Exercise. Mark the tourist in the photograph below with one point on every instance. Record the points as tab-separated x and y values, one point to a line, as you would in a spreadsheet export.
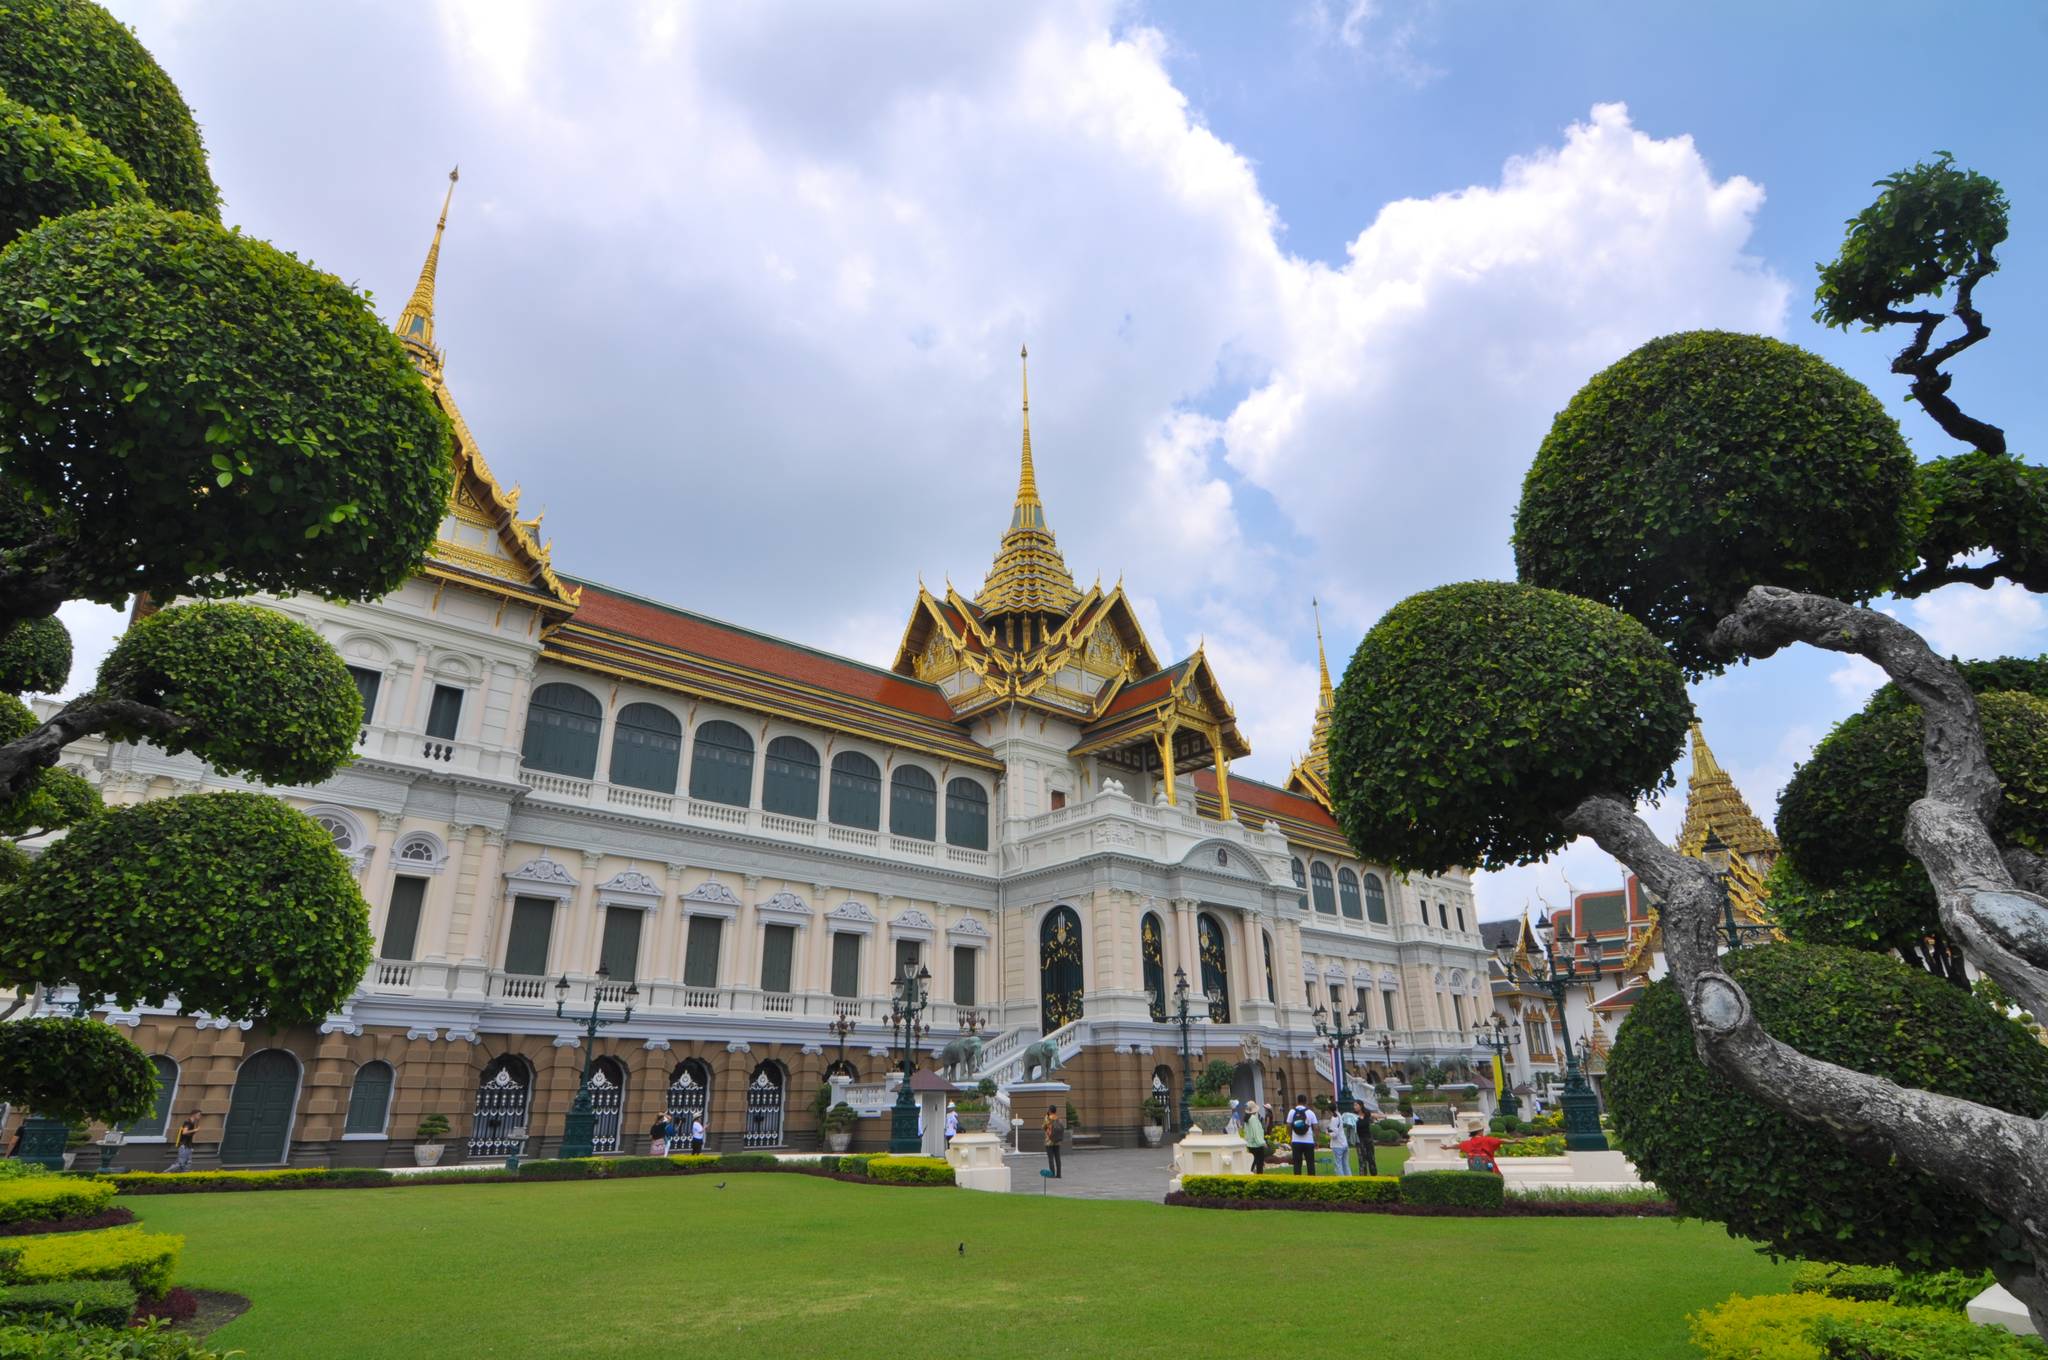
1235	1123
1301	1135
952	1121
1340	1141
1254	1131
187	1131
1368	1157
1055	1135
696	1134
659	1135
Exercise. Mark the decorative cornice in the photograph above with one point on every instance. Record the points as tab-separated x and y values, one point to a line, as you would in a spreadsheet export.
630	883
784	904
711	890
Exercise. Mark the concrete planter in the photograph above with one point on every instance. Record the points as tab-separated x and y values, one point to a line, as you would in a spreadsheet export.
838	1140
1155	1134
427	1154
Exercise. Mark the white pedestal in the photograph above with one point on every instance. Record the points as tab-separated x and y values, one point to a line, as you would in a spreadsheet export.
1605	1170
1210	1154
1995	1307
977	1161
1426	1151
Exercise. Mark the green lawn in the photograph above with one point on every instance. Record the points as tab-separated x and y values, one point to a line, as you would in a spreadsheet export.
788	1265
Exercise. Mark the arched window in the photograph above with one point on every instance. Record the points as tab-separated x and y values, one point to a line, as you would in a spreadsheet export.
1152	945
1326	896
647	745
1375	900
689	1094
348	838
789	784
856	791
1215	966
722	765
1059	969
913	804
607	1104
369	1099
1272	993
764	1106
419	850
966	815
1347	894
153	1124
561	731
1301	882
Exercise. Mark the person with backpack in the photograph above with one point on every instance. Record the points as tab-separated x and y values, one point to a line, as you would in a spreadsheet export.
1055	1135
1301	1135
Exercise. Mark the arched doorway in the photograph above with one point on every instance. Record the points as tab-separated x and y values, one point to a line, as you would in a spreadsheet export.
498	1127
765	1091
607	1104
1059	969
689	1094
259	1127
1248	1082
1152	944
1215	967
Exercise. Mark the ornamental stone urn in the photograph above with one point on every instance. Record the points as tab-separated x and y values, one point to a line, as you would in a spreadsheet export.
838	1140
1155	1134
427	1154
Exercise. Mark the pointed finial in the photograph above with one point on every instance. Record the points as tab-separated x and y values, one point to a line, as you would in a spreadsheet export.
1327	697
1029	512
416	322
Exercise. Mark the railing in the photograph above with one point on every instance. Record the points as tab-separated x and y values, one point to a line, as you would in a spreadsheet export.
639	798
544	782
853	835
613	993
701	998
778	1003
959	854
785	825
723	813
392	974
910	845
521	987
1068	1037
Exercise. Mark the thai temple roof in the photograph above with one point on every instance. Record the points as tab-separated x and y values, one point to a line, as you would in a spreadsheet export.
1715	810
1028	576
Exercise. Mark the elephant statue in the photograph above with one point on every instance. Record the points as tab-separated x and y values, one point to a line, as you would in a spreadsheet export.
960	1057
1044	1056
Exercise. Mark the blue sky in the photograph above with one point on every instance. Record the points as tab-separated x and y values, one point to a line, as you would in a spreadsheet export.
735	292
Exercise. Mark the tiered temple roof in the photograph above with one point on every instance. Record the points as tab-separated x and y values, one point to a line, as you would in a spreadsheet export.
1311	774
1717	813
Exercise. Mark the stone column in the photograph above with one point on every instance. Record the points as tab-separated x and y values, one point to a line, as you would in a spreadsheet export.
607	725
488	898
375	875
413	692
1186	955
438	911
668	960
579	941
746	932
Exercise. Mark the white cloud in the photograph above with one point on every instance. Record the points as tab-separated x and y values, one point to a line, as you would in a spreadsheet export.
1965	621
1856	679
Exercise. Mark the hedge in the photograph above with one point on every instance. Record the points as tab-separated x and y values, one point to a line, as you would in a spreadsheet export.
293	1178
144	1259
1770	1327
36	1199
69	1339
1319	1189
849	1166
910	1170
1464	1189
1918	1334
104	1303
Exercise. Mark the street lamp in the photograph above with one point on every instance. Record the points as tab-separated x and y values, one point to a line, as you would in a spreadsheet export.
911	999
576	1128
1555	977
1341	1038
841	1026
1498	1039
1184	1016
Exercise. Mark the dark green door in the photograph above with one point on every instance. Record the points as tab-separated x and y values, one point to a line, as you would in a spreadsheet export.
259	1123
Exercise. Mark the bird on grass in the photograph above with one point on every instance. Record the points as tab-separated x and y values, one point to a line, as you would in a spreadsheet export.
719	1186
963	1248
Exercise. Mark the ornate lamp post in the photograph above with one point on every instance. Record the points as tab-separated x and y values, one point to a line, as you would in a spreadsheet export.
1340	1039
1184	1016
1739	933
1555	977
911	999
841	1026
1498	1039
576	1128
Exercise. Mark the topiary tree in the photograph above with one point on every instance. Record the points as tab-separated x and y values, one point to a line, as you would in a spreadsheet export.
1842	1006
75	1070
1711	487
185	413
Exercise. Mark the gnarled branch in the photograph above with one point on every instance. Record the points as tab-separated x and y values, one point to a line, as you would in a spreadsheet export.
22	758
1923	364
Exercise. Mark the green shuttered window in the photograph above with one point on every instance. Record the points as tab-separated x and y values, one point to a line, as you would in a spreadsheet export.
700	952
526	947
402	921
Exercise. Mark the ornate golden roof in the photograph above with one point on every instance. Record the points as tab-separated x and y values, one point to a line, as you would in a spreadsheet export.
416	322
1716	812
1311	773
506	558
1029	576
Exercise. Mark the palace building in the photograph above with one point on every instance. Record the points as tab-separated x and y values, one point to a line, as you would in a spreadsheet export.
567	791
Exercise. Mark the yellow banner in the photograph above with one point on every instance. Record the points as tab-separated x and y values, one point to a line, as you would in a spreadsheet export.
1500	1087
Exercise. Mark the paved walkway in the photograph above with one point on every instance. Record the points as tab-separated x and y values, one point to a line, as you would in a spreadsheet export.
1099	1173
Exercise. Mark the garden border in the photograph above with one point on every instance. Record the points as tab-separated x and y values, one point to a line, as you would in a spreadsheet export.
538	1172
1530	1208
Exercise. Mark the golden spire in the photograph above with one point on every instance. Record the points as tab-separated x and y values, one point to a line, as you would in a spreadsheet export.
1311	773
1717	816
1029	576
416	323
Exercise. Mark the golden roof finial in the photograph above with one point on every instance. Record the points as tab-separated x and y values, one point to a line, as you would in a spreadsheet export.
416	323
1328	696
1715	810
1029	576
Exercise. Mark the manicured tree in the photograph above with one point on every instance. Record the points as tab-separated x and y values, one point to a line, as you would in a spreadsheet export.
187	413
1733	496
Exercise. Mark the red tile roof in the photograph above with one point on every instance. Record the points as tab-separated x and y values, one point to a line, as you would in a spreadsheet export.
1149	690
1250	793
710	638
